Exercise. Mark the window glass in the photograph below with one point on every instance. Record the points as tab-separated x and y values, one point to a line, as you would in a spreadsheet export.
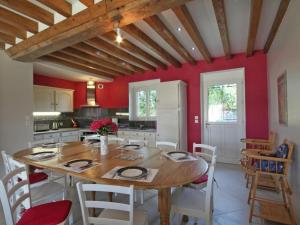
152	103
141	104
222	103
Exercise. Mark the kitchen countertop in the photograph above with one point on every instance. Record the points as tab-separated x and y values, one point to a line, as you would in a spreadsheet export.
57	131
150	130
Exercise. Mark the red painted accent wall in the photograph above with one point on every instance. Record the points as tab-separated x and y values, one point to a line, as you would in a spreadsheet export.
115	94
78	87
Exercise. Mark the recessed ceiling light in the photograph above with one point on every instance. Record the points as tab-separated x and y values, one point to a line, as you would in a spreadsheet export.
193	48
178	28
98	53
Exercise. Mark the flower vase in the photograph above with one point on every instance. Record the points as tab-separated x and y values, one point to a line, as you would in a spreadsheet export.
103	144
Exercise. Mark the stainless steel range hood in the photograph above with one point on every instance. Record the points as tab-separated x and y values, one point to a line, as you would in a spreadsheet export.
90	95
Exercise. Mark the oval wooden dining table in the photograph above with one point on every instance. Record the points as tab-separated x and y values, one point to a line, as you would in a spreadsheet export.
170	173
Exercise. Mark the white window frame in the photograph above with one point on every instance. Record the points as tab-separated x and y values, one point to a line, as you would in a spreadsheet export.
134	87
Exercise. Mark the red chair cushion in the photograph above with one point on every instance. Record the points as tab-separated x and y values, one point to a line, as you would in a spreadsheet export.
201	180
37	177
46	214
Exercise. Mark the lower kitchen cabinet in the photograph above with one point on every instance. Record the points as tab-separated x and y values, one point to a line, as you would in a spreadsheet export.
59	136
139	135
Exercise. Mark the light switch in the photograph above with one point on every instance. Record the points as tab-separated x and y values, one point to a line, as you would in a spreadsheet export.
196	117
196	121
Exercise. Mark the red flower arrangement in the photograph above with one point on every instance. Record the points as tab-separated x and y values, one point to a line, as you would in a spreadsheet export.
104	126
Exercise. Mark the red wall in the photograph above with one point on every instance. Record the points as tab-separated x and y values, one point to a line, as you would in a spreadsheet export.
115	94
78	87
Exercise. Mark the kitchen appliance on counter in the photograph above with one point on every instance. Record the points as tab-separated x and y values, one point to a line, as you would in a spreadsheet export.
40	127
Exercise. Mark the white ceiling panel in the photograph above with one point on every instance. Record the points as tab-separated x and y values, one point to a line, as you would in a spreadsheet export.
268	14
204	16
238	17
156	37
172	22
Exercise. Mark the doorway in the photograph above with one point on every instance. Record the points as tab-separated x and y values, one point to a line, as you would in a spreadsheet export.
223	110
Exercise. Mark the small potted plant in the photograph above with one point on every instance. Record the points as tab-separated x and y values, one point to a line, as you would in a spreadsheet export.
104	127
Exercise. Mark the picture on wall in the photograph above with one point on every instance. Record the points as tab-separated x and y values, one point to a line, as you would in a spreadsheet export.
282	99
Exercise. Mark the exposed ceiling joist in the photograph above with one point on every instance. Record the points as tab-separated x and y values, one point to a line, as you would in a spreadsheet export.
76	60
52	59
278	19
118	53
95	20
61	6
18	21
256	7
127	45
189	25
2	45
106	57
219	9
95	60
87	3
13	31
7	39
29	9
142	37
166	34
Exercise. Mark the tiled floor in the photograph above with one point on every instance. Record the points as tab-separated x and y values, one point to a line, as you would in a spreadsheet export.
230	207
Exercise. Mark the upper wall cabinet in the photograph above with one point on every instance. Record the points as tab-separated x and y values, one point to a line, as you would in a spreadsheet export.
47	99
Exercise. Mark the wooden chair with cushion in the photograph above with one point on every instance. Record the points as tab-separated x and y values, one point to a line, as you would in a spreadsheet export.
13	194
257	146
275	165
113	213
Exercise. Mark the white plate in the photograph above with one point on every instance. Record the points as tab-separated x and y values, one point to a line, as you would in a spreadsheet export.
177	155
79	164
132	173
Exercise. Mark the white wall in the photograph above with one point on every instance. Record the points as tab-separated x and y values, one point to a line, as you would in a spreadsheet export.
16	104
285	55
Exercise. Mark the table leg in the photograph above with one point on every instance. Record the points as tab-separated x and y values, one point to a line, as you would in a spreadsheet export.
164	201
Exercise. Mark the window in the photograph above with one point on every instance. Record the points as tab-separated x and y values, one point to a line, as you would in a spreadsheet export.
222	103
145	101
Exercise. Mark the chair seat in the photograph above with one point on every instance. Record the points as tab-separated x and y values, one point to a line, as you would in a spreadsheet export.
42	193
139	217
188	201
37	177
202	179
47	214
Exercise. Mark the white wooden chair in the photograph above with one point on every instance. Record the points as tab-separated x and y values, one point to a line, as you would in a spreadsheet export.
113	213
37	143
13	196
166	144
41	192
138	142
112	139
193	202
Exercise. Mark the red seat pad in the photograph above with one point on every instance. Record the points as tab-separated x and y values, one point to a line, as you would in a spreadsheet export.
37	177
46	214
201	180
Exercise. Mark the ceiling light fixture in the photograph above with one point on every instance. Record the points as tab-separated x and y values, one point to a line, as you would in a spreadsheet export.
179	29
193	48
119	38
116	23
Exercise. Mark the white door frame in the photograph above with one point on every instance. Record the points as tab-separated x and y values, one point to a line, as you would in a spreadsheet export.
215	75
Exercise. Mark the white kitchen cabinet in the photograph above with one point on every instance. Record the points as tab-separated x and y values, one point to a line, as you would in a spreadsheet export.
150	137
48	99
59	136
70	136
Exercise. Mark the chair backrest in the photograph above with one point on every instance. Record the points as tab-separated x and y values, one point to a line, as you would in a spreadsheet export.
33	144
207	151
6	163
138	142
166	144
289	156
272	139
14	194
86	204
209	187
116	140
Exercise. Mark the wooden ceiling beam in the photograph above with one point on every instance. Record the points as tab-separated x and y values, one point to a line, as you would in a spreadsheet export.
76	60
127	45
284	4
114	62
142	37
29	9
72	65
87	3
219	9
2	46
119	53
93	21
61	6
160	28
190	26
13	31
91	59
256	7
106	57
7	39
18	21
